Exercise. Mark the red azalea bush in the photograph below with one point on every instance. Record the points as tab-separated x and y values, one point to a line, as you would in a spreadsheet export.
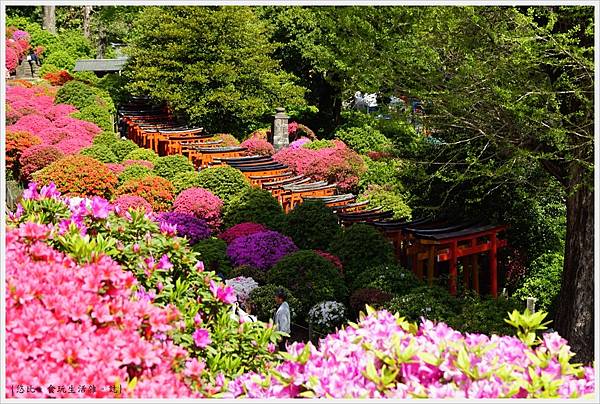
368	296
82	325
200	203
338	164
16	46
156	190
16	143
258	147
12	59
127	201
79	176
331	258
241	230
37	157
58	78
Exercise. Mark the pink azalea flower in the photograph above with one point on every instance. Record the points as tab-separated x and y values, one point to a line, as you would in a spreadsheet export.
100	208
201	337
164	263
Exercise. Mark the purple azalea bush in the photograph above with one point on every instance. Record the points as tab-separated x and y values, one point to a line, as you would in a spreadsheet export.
187	225
260	250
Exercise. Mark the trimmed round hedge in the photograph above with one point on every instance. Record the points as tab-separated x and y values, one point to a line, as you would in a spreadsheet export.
390	278
213	253
186	180
134	171
78	175
37	157
200	203
106	138
169	166
260	250
225	182
101	153
122	148
312	225
156	190
142	154
310	277
361	246
254	205
433	303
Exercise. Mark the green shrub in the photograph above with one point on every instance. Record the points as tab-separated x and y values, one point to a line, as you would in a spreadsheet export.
312	226
319	144
100	152
264	306
142	154
254	205
107	138
258	275
361	246
89	78
364	139
213	252
381	172
402	133
310	277
169	166
122	148
485	315
75	93
134	171
185	180
389	198
225	182
48	68
114	84
433	303
389	278
543	281
62	59
98	114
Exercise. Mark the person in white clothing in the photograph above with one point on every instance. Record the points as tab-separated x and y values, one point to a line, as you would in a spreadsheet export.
282	317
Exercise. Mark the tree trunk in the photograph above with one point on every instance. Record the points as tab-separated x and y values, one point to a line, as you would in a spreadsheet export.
49	19
87	11
574	318
102	43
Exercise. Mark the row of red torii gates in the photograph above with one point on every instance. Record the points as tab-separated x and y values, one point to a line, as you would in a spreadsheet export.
423	245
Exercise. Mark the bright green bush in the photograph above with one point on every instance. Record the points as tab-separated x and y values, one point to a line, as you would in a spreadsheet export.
312	226
98	114
134	171
169	166
364	139
310	277
485	315
389	278
185	180
264	306
107	138
213	253
225	182
100	152
433	303
389	198
87	78
319	144
62	59
543	281
122	148
254	205
48	68
142	154
361	246
381	172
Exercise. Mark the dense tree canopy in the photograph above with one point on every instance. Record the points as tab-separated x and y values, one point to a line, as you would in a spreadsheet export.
213	64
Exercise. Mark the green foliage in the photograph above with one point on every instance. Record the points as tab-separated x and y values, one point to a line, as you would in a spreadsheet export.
254	205
264	305
86	77
169	166
106	139
310	277
134	171
101	153
213	253
185	180
214	64
122	148
528	325
249	272
47	68
484	315
98	114
114	85
361	246
433	303
542	281
389	278
319	144
364	139
381	172
61	59
312	226
389	198
225	182
142	154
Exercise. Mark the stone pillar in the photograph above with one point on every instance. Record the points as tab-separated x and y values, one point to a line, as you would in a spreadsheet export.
279	136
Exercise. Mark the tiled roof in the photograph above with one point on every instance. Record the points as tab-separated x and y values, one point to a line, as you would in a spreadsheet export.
100	65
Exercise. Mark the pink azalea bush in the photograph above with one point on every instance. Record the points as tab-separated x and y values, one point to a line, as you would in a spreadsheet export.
128	201
33	111
37	157
258	146
79	324
385	357
201	203
338	164
240	230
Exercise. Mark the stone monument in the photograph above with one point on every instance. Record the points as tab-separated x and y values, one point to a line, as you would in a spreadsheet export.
279	136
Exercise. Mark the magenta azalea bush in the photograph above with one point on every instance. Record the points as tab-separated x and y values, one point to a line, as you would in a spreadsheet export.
384	356
260	250
200	203
81	324
258	146
186	225
240	230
